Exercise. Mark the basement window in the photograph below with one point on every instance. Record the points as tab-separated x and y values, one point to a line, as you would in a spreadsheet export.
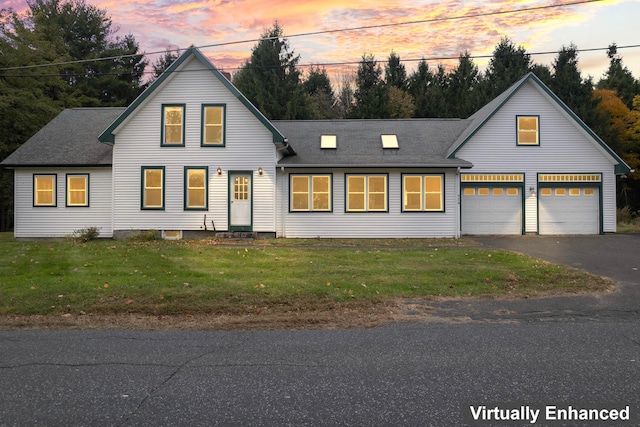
389	141
328	141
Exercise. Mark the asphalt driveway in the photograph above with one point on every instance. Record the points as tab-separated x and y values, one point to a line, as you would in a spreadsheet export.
616	256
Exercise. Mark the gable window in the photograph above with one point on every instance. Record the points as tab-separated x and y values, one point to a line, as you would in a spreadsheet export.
366	193
77	190
173	125
213	125
310	193
528	130
196	186
423	193
44	190
152	187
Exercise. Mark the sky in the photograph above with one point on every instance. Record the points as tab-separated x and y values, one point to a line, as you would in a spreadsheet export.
161	24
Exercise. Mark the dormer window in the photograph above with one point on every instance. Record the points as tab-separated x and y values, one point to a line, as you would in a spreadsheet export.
328	141
389	141
528	130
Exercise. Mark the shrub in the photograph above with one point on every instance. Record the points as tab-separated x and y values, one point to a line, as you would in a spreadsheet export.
86	234
144	235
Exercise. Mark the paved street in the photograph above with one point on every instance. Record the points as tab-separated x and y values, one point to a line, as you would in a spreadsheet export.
577	351
410	374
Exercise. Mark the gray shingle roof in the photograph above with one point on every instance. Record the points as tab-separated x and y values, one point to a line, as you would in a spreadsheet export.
422	142
70	139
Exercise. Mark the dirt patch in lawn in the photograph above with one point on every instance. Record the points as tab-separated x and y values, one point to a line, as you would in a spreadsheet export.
360	314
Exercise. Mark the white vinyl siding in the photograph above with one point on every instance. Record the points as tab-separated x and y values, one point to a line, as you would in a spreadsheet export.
62	220
390	224
564	148
248	146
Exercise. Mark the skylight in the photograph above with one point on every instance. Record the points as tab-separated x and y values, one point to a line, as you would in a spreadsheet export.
389	141
328	141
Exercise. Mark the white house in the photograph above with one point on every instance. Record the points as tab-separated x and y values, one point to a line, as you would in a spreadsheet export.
191	154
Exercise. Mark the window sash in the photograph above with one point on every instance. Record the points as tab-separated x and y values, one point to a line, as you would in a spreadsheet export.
423	193
77	190
44	190
367	193
528	130
310	193
173	125
213	125
196	183
153	188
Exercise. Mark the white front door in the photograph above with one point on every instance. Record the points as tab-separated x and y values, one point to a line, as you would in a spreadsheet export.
240	198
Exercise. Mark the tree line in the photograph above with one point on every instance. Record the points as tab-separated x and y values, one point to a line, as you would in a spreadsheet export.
64	32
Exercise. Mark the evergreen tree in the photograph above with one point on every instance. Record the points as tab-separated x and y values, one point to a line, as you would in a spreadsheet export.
463	88
395	72
371	97
321	99
161	64
507	65
270	79
619	78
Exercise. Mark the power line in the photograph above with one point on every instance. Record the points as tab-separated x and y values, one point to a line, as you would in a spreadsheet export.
314	33
321	65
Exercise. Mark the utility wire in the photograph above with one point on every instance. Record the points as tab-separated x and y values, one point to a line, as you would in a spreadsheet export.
314	33
318	65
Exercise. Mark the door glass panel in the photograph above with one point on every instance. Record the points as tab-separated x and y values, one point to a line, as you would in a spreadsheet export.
241	188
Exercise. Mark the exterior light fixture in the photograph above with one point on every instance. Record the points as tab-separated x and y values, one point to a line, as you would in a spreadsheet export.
532	190
260	171
219	170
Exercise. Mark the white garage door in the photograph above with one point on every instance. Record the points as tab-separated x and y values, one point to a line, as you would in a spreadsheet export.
569	210
491	210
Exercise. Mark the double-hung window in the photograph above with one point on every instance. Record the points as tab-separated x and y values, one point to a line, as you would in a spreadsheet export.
196	186
77	190
213	125
44	190
423	193
528	130
310	193
152	187
173	125
366	193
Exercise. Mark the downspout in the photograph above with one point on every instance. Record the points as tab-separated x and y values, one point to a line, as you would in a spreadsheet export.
284	202
459	205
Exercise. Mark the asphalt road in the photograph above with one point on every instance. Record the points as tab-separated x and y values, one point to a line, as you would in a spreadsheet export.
412	374
578	351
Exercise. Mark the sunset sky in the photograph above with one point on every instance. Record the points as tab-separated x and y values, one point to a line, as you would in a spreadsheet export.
159	24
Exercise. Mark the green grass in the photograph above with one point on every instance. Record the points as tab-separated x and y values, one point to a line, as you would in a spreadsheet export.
195	277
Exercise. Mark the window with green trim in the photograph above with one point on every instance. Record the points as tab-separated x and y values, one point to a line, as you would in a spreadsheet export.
423	193
366	193
528	130
77	190
213	125
153	188
310	193
44	190
196	186
173	125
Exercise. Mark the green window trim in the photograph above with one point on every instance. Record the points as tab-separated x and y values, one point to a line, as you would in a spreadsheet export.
213	134
362	191
423	193
311	193
173	125
77	193
528	131
45	190
196	189
152	191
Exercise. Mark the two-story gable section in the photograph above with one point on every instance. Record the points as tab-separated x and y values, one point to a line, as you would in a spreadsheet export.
537	168
191	152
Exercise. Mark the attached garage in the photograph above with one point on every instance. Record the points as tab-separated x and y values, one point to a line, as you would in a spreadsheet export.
492	204
569	204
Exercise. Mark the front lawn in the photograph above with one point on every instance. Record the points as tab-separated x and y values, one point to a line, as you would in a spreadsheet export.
198	277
